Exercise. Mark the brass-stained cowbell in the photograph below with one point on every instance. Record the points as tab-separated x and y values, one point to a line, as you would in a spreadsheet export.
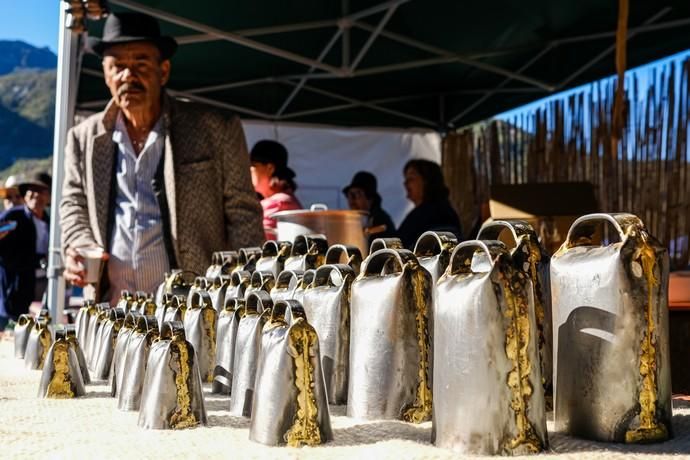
136	358
327	306
40	340
612	370
239	281
273	256
488	394
351	254
308	252
71	335
108	337
385	243
172	396
290	404
253	315
261	281
61	377
246	260
228	322
200	329
389	339
529	256
433	250
285	286
222	263
118	364
22	331
303	285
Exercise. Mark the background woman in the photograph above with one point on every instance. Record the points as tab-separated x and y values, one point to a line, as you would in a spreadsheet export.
362	195
273	181
427	190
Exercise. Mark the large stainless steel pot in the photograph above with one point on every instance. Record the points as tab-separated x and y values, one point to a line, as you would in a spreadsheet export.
340	226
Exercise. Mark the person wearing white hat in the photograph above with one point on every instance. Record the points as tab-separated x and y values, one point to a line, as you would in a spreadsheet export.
10	193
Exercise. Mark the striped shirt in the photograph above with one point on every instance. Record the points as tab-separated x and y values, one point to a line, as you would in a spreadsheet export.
138	259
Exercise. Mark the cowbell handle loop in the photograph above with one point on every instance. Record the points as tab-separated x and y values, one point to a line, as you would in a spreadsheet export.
258	302
282	306
584	227
270	249
323	273
461	259
286	276
172	330
376	262
337	250
433	243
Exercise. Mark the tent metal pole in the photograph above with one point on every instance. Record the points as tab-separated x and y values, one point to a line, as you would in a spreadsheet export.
498	87
358	103
458	58
65	99
609	50
372	38
345	42
229	36
303	80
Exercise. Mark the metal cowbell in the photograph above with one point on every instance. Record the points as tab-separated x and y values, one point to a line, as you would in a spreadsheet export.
136	357
530	256
253	315
22	331
61	377
308	252
612	370
226	335
273	256
289	403
488	395
389	339
172	396
200	329
327	305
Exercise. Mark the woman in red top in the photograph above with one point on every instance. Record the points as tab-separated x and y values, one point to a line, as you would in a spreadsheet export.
273	181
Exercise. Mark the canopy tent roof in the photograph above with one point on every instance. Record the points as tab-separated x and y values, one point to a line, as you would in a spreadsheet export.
434	64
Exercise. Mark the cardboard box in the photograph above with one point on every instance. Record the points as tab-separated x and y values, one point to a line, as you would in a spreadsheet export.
549	208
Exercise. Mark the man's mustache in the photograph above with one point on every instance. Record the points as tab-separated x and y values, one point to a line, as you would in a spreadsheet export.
127	87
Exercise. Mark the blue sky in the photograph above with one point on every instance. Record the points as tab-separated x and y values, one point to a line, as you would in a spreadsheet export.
32	21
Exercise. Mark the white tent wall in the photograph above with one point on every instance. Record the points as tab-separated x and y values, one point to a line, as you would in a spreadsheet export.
325	158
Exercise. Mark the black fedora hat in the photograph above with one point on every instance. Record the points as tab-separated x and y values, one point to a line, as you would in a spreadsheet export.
365	181
132	27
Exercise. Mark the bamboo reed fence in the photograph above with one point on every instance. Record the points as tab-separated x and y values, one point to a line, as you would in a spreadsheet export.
569	140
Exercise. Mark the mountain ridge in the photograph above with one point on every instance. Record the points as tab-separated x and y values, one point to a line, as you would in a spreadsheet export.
27	101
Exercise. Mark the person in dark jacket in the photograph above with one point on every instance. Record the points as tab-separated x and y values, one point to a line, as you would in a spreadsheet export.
23	249
427	190
362	195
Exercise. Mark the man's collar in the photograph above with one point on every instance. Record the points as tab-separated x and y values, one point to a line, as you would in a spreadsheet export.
111	110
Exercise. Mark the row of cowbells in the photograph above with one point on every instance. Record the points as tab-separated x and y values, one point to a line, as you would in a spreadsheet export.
151	369
272	366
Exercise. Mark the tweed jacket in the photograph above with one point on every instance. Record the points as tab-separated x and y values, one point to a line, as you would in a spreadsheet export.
203	187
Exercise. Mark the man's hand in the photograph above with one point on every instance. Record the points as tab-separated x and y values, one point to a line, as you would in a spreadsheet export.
74	268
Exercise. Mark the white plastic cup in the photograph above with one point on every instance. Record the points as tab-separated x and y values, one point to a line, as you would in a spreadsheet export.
93	263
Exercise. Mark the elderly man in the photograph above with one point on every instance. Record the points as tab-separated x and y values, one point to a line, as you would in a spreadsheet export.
157	183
